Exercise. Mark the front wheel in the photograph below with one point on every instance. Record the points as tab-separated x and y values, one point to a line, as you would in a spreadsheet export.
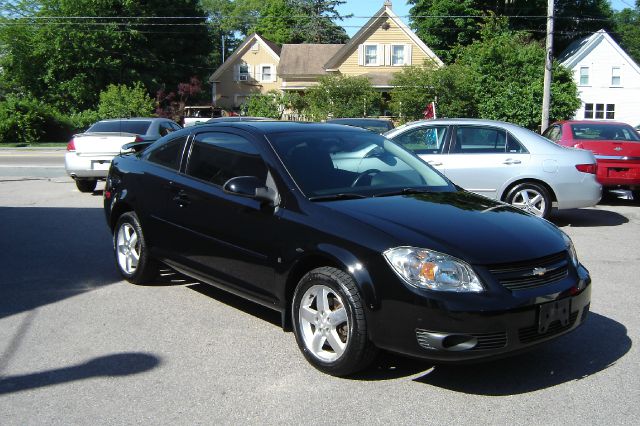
530	197
132	254
329	322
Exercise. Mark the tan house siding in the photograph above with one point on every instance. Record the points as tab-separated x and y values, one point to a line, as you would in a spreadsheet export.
231	91
386	38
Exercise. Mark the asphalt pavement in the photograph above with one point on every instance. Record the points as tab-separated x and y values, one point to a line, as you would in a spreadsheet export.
80	346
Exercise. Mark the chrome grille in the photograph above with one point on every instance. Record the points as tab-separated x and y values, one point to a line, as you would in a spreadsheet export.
532	273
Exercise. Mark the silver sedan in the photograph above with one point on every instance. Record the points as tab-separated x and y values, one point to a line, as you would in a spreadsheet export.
505	162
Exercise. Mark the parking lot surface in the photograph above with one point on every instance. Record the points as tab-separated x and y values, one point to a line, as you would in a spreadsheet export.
78	345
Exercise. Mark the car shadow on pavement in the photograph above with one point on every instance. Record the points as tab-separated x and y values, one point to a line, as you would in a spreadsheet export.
595	346
120	364
587	218
50	254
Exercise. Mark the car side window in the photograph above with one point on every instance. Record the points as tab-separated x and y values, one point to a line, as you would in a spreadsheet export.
484	140
168	154
217	157
553	133
423	140
514	146
165	128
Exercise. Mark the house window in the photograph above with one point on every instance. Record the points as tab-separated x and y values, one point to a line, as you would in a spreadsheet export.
370	54
611	111
255	47
588	110
398	55
244	72
615	76
584	76
267	72
599	111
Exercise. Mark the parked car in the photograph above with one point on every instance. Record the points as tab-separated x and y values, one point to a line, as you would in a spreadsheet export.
237	118
378	125
195	114
355	258
504	162
89	154
616	147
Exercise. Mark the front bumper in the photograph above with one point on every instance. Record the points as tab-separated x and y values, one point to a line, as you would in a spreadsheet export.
423	329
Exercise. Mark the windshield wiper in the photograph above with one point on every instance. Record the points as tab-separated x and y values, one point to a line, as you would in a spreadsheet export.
403	191
343	196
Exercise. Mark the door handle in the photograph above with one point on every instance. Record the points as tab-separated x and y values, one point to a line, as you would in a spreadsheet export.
434	163
510	161
182	199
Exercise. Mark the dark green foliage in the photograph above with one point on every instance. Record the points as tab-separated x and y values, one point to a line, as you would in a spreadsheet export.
67	62
26	120
120	101
627	25
342	96
499	77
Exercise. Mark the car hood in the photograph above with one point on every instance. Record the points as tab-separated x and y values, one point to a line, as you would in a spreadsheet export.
462	224
611	148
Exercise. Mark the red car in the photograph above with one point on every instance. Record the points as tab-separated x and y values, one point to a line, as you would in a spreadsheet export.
616	147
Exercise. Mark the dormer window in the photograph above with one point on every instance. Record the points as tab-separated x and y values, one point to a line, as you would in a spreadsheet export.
615	76
244	72
371	54
584	76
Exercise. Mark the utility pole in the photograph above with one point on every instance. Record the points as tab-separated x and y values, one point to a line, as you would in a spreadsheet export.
546	95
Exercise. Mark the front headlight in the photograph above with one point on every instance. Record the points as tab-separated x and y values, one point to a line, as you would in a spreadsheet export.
571	249
433	270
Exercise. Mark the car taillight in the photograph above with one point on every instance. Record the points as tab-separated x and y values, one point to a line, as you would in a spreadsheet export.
71	146
578	145
586	168
138	139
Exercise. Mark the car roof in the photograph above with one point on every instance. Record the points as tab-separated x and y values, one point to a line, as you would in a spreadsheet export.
135	119
460	121
275	126
607	122
336	120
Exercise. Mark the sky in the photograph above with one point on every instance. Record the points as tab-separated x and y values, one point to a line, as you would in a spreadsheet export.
362	10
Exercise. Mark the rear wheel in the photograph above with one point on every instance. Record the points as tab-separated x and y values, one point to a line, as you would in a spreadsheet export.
86	185
132	254
329	322
531	197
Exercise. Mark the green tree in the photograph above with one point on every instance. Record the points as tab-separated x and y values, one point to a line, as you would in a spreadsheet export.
445	24
316	21
499	77
342	96
627	29
119	101
55	53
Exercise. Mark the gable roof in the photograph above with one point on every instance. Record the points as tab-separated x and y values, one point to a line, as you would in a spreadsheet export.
273	48
580	48
384	13
306	59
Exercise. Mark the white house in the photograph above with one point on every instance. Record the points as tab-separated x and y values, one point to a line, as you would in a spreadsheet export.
608	79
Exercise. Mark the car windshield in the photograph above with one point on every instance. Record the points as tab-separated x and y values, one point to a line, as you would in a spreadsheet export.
351	164
138	127
604	132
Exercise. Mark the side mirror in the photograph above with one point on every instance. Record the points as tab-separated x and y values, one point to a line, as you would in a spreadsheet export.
250	187
135	147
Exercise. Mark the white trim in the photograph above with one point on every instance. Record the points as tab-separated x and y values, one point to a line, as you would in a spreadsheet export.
590	43
378	54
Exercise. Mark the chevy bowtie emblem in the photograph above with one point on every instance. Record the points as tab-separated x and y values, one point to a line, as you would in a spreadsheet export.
617	148
539	271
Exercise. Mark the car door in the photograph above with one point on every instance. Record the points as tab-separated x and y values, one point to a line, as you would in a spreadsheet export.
225	237
429	142
482	158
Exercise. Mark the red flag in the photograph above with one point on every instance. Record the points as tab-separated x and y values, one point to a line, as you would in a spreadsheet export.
430	111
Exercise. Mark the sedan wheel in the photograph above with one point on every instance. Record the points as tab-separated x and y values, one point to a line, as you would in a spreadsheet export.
329	322
86	185
131	250
530	197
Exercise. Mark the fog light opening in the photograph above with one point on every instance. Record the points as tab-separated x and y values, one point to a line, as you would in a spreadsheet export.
459	342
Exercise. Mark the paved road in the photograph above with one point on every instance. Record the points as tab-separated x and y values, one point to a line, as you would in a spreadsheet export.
78	345
32	163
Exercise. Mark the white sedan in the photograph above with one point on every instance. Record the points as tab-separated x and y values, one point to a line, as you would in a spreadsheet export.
505	162
89	154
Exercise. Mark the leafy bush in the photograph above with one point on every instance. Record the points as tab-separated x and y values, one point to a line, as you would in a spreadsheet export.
122	101
27	120
342	96
80	121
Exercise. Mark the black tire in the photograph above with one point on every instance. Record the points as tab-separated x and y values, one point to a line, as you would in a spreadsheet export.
522	194
358	352
636	196
126	249
86	185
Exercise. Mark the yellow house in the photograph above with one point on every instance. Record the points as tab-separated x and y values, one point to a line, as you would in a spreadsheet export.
380	48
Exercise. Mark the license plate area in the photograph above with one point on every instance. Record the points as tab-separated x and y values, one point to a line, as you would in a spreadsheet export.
551	312
101	165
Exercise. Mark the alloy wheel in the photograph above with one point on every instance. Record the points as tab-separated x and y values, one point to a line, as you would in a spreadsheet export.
128	248
530	200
